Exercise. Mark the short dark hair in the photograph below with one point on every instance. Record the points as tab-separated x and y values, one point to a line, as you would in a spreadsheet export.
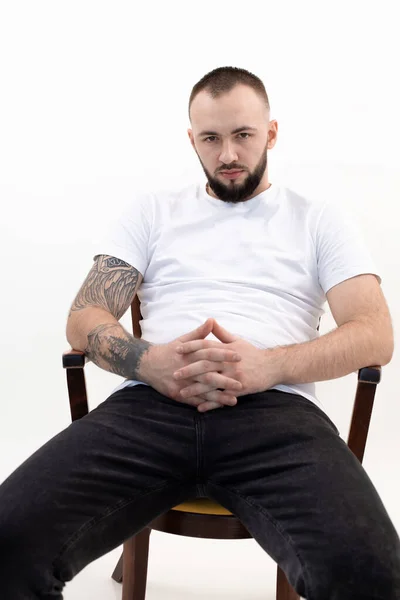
224	79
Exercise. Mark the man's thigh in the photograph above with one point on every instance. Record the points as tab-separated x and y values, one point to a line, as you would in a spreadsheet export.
277	461
97	482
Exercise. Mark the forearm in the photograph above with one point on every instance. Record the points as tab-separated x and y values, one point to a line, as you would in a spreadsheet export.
105	342
344	350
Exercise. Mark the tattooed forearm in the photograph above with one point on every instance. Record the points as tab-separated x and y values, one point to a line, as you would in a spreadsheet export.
106	294
110	284
115	350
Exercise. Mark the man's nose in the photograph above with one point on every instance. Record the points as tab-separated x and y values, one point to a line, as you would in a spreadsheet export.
228	153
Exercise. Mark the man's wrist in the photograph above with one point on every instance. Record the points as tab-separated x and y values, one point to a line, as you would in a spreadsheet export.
145	369
275	363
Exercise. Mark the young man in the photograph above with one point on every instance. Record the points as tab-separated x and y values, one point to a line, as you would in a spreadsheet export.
232	277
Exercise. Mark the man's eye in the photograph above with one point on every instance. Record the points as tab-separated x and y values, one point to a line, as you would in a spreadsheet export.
211	138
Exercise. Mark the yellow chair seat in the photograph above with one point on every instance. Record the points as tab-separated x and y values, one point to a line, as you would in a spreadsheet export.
203	506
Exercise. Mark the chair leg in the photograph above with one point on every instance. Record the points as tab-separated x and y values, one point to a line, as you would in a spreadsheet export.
284	590
134	566
117	574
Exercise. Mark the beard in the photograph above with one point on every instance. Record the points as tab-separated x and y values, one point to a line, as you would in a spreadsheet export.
237	192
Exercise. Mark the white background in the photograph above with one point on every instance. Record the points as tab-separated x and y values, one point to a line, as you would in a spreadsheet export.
93	106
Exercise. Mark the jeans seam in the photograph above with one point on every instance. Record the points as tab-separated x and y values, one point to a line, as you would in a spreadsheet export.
275	524
88	525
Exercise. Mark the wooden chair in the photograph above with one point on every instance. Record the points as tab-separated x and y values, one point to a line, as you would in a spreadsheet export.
202	517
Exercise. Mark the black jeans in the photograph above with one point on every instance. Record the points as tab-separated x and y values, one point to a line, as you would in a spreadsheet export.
275	460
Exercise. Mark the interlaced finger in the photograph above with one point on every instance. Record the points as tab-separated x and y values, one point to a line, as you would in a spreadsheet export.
214	399
211	381
215	354
201	367
195	345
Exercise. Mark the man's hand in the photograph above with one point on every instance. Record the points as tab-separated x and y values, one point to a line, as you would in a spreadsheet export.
254	372
161	361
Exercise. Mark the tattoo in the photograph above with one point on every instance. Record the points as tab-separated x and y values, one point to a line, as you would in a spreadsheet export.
111	284
117	351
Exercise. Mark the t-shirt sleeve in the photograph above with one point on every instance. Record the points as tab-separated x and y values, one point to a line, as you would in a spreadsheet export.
127	236
341	249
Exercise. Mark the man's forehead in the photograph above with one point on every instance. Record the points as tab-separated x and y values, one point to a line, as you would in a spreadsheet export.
229	111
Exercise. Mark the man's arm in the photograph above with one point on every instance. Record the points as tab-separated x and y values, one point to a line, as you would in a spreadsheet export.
364	337
92	325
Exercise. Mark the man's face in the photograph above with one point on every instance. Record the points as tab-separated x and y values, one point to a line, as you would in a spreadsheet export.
233	133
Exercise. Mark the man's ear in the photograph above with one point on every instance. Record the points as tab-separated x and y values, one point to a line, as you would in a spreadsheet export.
272	134
190	134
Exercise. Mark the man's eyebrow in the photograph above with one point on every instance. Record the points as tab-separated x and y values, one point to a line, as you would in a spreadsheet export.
238	130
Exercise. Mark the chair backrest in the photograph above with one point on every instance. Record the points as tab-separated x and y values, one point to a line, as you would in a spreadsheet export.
136	317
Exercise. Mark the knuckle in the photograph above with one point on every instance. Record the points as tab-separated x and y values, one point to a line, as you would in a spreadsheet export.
173	392
209	377
235	374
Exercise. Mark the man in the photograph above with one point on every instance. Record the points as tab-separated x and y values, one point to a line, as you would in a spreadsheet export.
232	278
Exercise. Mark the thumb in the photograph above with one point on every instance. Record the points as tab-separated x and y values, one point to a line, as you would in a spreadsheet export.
222	334
199	332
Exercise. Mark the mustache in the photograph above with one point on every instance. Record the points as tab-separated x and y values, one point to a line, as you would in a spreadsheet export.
231	168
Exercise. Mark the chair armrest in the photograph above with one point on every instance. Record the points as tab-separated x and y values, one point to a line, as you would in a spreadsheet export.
74	359
370	374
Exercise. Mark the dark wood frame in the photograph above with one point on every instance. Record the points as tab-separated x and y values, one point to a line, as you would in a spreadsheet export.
132	566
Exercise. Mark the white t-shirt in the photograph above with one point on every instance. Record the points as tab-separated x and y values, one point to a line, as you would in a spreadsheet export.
261	268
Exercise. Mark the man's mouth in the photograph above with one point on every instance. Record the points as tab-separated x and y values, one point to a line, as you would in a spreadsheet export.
233	174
